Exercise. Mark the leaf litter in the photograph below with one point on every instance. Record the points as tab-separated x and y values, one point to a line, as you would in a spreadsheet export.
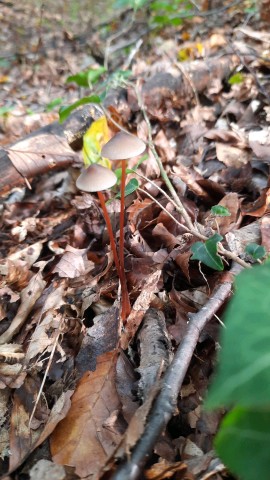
70	370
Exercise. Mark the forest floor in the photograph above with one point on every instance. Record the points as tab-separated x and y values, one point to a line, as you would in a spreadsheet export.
77	386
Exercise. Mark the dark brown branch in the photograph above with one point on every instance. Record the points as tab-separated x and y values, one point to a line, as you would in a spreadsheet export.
165	404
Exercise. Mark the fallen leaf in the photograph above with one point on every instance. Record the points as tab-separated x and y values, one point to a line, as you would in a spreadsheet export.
81	440
29	296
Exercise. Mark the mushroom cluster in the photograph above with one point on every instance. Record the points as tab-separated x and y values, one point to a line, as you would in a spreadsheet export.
96	178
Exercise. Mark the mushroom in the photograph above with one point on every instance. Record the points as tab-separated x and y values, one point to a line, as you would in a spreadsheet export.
94	179
122	147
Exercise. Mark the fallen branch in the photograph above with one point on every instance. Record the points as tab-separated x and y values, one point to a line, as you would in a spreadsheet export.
165	404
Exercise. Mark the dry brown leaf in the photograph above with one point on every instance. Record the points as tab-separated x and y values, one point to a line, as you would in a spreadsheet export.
224	225
22	437
259	207
73	263
24	440
81	440
32	155
163	469
232	156
139	308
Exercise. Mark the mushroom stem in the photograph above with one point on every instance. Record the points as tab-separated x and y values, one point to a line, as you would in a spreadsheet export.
126	309
110	232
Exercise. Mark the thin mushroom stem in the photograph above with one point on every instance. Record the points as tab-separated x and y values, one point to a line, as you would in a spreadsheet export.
125	297
110	232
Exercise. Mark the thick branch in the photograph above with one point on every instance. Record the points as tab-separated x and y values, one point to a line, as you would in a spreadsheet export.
165	404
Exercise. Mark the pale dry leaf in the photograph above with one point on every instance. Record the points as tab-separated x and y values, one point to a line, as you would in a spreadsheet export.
232	156
11	376
46	470
29	296
41	341
73	263
28	255
81	440
11	351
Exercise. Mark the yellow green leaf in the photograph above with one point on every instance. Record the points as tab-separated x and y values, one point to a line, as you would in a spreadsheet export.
93	140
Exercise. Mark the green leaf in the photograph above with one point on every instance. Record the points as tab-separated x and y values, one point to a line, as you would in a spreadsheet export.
243	374
220	211
64	112
255	251
236	78
243	443
207	252
84	79
131	187
54	103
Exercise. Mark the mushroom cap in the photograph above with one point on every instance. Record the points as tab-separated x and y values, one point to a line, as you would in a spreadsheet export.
96	178
123	146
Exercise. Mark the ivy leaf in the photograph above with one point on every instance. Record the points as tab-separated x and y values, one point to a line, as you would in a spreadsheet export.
84	79
243	374
64	112
244	435
255	251
206	252
236	78
131	187
220	211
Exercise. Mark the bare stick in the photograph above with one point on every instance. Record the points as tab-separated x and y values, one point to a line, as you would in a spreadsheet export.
159	162
165	404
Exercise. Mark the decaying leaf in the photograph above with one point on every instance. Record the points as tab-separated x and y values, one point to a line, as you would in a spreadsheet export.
29	296
81	440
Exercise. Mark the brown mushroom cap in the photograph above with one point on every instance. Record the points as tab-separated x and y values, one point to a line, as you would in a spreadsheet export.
96	178
123	146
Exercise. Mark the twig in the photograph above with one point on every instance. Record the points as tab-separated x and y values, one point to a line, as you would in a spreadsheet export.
118	34
180	207
164	210
165	404
47	369
161	168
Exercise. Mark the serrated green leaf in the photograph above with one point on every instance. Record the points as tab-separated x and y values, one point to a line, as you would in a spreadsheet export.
243	374
206	252
255	251
64	112
242	443
220	211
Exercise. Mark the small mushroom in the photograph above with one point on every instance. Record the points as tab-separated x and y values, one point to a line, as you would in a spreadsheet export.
94	179
122	147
